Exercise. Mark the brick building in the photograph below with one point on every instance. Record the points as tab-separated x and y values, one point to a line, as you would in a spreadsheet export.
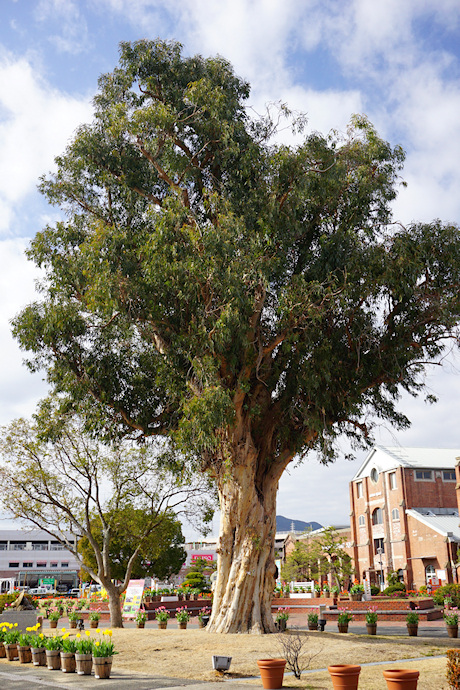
405	515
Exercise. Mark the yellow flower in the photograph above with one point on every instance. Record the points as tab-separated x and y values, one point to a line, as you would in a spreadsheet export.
98	630
62	629
107	632
64	637
87	632
41	636
15	625
97	643
78	635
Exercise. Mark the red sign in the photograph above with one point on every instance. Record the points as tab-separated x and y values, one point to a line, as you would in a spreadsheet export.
204	556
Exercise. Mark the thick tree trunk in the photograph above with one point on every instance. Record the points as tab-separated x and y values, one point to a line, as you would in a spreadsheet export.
116	620
246	567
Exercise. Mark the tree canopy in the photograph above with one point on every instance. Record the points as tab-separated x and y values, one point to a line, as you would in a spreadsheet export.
161	553
248	300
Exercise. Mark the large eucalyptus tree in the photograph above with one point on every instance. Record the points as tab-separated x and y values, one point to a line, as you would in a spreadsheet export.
250	301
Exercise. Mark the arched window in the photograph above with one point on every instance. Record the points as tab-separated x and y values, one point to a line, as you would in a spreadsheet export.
362	521
430	573
395	514
377	517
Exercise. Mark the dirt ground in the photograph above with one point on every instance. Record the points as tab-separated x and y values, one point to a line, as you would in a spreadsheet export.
187	654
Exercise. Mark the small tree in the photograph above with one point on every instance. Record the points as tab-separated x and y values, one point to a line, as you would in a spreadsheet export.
339	563
302	562
161	553
75	488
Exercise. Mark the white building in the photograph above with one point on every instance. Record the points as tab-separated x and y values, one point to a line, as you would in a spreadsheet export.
26	557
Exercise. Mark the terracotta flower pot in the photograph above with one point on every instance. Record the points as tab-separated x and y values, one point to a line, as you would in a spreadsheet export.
102	666
25	655
401	679
68	664
84	664
344	676
38	656
271	672
371	628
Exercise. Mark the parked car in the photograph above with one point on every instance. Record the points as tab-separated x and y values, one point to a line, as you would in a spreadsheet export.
74	593
37	591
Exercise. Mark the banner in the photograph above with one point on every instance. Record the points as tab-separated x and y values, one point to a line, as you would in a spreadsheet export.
133	598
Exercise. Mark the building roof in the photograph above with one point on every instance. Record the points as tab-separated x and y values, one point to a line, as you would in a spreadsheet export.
442	520
385	458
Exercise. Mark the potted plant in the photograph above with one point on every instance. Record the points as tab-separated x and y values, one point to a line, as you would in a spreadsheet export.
282	617
344	619
37	648
286	591
103	651
53	646
73	618
371	620
313	621
53	617
11	638
356	592
203	616
68	650
84	654
317	589
412	619
94	617
183	617
451	620
24	653
140	618
162	616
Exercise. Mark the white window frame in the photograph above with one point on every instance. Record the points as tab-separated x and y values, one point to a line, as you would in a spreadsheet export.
395	515
392	481
448	480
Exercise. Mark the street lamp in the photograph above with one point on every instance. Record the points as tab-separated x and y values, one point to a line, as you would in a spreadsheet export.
380	551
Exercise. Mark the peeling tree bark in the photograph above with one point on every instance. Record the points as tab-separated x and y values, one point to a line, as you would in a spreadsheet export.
246	573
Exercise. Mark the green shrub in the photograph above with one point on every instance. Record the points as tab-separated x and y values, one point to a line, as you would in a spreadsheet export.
398	587
452	591
375	590
196	580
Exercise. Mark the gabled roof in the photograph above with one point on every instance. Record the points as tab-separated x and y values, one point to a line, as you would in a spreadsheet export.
445	524
385	458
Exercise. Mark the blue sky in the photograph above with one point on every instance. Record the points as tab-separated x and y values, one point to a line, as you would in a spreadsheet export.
396	61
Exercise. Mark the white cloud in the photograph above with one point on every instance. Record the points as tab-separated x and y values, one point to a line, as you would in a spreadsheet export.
73	31
36	123
20	389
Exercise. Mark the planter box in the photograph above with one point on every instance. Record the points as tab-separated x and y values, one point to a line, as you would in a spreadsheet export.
301	595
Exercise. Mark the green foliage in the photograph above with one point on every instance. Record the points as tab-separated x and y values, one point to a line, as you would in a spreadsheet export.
375	590
397	587
451	590
206	276
195	579
161	554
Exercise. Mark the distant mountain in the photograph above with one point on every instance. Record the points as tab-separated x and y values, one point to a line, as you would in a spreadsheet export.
284	524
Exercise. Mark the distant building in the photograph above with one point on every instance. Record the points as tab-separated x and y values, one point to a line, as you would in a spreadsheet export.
27	557
405	516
